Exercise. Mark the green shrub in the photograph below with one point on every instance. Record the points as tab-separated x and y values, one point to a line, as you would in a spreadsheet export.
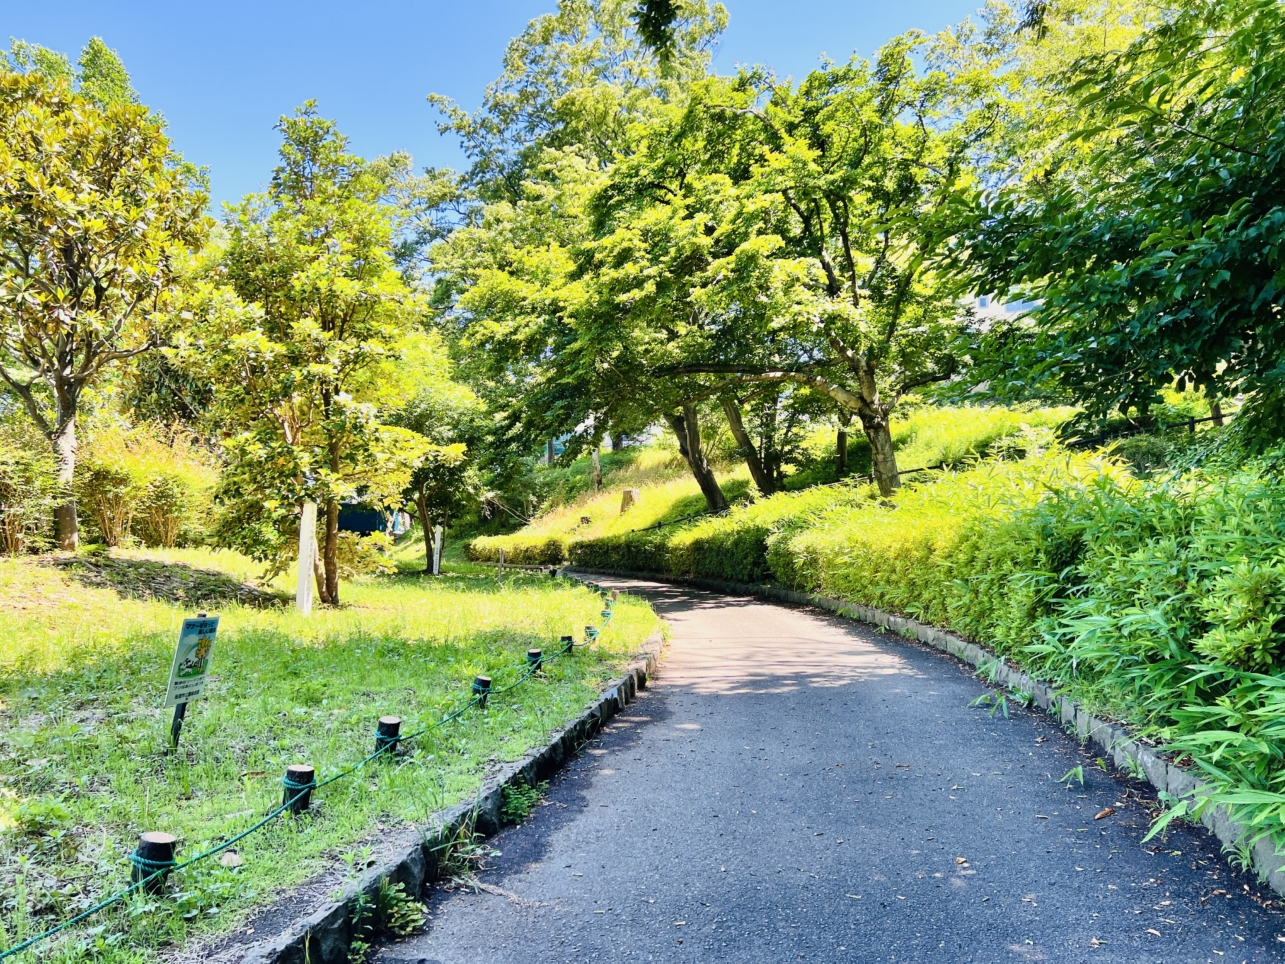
519	550
27	490
145	481
107	491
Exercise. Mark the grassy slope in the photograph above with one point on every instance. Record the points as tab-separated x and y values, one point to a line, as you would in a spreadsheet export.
83	742
925	436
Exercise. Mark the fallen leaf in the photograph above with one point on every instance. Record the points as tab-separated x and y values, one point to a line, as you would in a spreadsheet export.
231	859
960	860
1105	812
1153	931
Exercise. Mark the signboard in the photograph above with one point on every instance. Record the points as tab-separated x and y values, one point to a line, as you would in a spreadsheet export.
437	550
191	660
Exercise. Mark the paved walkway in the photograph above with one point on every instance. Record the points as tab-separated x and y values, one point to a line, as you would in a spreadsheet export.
795	786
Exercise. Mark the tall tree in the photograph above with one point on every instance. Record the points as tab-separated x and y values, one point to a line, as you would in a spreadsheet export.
299	338
827	206
97	217
1161	259
446	483
577	77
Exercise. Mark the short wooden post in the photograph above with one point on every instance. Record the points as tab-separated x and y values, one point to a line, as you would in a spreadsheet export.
535	659
299	782
386	733
152	860
481	689
568	644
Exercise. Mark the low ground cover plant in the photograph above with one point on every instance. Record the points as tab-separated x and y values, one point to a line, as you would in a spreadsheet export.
84	755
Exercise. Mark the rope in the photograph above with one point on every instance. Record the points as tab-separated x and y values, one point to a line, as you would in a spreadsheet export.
156	868
143	863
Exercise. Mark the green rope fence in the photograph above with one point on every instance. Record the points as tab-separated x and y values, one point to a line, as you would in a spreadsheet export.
156	868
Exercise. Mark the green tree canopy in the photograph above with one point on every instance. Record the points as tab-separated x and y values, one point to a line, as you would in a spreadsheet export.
301	329
97	217
1161	259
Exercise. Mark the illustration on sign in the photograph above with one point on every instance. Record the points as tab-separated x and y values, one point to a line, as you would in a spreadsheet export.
191	660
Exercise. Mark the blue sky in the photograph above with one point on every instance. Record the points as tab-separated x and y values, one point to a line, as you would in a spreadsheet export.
223	72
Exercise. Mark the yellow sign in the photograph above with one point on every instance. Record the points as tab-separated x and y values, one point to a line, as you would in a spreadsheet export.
191	665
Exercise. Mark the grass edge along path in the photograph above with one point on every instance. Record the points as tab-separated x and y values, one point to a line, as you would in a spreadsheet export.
147	872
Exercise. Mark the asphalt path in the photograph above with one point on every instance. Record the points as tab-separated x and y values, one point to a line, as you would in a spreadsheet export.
797	787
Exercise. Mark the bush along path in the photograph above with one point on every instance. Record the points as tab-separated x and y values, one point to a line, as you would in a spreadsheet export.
798	787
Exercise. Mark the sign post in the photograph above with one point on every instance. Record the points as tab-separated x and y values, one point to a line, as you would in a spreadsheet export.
437	550
307	557
191	667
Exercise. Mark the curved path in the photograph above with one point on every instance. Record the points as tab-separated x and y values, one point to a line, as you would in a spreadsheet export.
795	786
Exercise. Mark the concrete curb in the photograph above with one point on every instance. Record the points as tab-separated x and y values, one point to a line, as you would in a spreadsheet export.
324	936
1115	742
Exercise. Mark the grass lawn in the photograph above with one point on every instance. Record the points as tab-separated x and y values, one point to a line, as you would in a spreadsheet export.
85	764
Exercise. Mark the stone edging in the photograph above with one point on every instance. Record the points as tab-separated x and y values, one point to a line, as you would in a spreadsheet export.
1114	741
324	936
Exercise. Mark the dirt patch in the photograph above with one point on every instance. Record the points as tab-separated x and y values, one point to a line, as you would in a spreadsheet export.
166	581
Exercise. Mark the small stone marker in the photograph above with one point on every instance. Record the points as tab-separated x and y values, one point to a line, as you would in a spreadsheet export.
628	499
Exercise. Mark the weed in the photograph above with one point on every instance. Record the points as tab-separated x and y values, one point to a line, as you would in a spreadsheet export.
520	799
997	701
1076	773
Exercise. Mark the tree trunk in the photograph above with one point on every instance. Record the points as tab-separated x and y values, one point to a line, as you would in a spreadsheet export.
883	458
66	525
421	506
1216	410
761	475
841	444
331	553
686	426
597	469
616	442
319	573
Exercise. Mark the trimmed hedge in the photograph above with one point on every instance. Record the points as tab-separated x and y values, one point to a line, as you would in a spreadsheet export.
519	551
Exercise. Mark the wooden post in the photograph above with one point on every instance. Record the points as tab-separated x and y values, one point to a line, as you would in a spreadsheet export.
155	852
500	572
386	733
299	782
